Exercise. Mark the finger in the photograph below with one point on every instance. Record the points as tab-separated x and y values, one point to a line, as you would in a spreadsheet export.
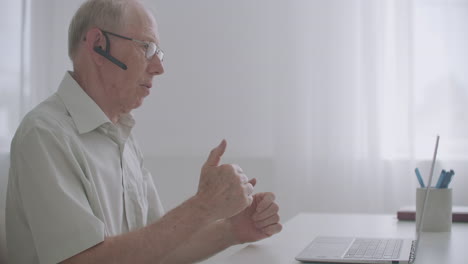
265	202
271	210
244	178
248	189
215	154
238	169
272	229
249	200
253	181
269	221
241	173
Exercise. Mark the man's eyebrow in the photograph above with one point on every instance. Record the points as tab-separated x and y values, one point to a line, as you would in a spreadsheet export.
148	38
153	38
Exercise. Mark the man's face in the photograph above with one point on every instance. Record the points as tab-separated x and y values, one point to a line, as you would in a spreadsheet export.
129	87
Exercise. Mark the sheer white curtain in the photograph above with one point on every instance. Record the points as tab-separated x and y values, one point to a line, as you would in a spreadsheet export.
440	85
441	67
30	53
13	25
350	128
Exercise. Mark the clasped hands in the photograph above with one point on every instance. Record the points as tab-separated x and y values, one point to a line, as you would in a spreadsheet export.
228	193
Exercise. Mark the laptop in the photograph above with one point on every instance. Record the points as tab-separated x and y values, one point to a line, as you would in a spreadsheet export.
325	249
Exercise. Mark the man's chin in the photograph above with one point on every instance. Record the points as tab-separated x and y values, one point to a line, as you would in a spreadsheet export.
138	103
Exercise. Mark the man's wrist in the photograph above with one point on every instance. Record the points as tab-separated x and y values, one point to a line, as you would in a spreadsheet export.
227	229
204	208
231	232
224	225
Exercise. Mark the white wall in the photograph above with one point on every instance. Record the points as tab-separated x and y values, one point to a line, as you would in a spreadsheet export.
232	71
224	63
230	68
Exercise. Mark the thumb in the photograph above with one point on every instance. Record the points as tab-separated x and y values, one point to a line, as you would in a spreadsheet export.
215	154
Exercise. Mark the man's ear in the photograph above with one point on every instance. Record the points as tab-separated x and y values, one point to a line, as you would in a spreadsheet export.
94	38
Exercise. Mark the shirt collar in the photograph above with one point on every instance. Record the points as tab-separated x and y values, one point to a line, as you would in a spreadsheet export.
86	114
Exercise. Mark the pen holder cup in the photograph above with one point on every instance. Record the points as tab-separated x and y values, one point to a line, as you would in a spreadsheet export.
438	212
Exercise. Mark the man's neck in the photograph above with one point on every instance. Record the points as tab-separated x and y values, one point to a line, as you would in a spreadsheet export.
93	88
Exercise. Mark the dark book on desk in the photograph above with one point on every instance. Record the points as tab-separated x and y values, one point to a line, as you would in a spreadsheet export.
408	213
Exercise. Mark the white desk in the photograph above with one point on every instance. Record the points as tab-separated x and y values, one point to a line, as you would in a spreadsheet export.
440	248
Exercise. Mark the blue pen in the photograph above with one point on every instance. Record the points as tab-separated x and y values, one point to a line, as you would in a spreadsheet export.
452	173
443	175
447	179
420	179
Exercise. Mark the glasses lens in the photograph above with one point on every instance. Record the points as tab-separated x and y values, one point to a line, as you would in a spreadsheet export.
150	50
160	54
153	49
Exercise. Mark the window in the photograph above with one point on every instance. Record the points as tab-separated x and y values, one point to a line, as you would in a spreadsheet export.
440	51
13	77
424	89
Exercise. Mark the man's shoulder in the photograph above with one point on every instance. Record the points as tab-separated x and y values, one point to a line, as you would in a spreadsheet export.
51	115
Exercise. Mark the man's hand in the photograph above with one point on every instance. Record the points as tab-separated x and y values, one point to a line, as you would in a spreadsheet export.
224	189
258	221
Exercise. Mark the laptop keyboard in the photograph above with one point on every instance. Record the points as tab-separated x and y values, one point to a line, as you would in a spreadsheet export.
374	249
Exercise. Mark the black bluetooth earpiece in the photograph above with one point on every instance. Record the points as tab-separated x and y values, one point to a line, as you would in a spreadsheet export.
106	55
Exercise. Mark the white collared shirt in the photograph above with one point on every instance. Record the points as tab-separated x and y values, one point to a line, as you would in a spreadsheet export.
75	178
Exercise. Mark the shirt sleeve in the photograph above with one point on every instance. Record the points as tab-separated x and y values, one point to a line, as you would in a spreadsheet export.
51	187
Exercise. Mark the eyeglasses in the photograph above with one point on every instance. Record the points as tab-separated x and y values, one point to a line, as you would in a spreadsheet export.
151	47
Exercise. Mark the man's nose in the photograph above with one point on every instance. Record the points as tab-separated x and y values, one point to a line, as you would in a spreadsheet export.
155	66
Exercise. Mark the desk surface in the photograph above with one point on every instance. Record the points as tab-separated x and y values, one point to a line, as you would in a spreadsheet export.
297	233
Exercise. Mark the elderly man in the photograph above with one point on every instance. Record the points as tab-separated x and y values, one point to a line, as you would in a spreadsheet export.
78	190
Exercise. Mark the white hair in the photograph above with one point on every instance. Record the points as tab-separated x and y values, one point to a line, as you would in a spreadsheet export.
105	14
